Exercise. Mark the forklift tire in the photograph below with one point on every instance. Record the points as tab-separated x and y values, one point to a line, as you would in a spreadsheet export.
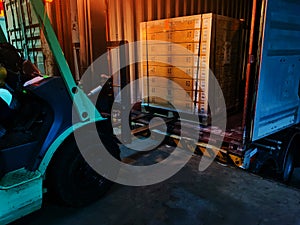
288	168
72	181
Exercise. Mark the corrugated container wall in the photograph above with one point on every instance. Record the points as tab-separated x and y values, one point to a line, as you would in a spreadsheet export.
124	17
82	32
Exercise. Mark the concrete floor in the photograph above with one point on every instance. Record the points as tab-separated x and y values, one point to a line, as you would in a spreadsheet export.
219	195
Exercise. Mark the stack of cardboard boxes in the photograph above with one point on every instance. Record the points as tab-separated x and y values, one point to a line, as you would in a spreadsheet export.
180	53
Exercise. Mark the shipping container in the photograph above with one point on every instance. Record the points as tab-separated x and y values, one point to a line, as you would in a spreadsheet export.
256	63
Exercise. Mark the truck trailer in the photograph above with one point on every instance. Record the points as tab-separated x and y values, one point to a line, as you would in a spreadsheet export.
262	131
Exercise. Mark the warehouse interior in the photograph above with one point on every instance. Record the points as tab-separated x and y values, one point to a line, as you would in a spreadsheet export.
197	103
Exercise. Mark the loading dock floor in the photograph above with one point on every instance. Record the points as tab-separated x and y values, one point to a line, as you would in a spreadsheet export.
220	195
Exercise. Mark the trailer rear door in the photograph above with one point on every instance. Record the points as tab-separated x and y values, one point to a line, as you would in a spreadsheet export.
277	103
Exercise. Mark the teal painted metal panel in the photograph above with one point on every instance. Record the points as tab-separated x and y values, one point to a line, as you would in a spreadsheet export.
6	96
3	32
277	104
55	145
20	194
3	38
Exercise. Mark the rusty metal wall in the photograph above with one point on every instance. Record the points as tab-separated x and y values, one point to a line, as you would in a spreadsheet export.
56	11
92	30
125	15
81	30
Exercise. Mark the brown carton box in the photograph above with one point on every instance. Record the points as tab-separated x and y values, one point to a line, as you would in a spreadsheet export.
218	38
185	36
186	23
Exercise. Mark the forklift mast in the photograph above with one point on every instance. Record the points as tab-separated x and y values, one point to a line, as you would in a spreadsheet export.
85	108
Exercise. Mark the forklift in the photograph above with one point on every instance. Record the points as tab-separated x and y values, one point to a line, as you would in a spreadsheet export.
38	151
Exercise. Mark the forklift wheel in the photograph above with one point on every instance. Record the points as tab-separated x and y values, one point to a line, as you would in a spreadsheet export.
73	181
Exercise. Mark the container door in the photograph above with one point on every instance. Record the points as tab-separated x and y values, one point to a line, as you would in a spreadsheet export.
277	104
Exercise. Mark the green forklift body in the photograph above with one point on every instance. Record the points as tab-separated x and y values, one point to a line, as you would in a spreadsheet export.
21	191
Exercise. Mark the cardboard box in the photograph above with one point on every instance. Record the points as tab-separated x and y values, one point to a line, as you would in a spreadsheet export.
164	82
193	48
151	69
163	70
160	36
175	60
171	49
186	23
173	24
185	36
169	93
157	49
212	43
157	26
186	84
